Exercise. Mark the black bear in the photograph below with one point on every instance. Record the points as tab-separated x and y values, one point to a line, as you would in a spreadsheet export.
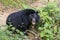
21	20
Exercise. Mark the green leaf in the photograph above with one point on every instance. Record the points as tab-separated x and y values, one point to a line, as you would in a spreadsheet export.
40	28
42	34
46	24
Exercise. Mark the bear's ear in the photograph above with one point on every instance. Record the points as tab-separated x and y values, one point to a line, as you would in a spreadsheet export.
37	11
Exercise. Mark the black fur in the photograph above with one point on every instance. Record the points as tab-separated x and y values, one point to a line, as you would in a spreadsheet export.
21	20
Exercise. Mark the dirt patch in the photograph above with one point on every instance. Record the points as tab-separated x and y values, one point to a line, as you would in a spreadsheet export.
4	12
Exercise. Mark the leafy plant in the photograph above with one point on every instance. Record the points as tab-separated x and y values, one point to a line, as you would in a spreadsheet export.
49	28
7	35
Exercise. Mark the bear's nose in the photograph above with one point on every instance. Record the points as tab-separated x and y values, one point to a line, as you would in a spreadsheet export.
33	21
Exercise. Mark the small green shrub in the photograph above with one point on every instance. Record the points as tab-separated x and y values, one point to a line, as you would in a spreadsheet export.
7	35
48	27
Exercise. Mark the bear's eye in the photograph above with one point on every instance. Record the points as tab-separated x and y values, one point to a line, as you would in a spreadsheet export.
31	15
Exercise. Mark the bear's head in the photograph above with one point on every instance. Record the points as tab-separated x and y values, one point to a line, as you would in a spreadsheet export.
33	15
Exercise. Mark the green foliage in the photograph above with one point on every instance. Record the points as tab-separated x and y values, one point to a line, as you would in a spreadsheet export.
20	4
14	3
48	27
7	35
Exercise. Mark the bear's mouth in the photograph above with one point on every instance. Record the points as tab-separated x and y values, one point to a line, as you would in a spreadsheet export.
33	21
